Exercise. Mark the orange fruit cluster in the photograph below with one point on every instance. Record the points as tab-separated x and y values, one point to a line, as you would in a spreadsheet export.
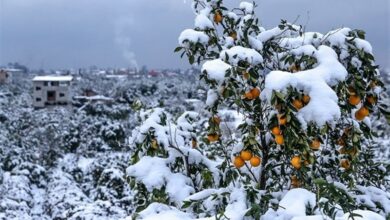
279	139
252	94
246	155
300	103
277	132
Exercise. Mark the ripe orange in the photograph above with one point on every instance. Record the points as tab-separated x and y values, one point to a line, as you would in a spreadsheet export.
296	162
306	99
361	113
238	162
252	94
282	119
276	130
255	161
315	144
354	99
248	95
364	111
213	137
255	92
246	155
297	104
344	163
279	139
154	144
218	17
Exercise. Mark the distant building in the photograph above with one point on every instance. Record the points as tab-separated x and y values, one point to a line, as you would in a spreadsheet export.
15	73
51	90
5	77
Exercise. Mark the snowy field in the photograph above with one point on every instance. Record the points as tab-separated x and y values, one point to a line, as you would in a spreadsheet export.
70	163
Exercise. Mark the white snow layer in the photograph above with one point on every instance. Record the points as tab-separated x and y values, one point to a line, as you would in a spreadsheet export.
162	212
315	82
247	7
216	69
294	203
239	53
203	22
193	37
291	207
154	173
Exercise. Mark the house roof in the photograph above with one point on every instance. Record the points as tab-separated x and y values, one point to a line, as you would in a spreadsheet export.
53	78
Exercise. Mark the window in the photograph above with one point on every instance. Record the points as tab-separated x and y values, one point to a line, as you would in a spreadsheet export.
37	88
62	94
38	99
55	83
64	84
51	96
45	83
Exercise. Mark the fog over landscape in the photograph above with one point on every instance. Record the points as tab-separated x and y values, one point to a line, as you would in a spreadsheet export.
65	34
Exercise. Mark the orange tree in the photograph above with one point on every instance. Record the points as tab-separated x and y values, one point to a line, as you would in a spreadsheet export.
306	99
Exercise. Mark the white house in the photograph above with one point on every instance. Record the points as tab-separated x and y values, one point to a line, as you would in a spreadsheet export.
51	90
5	76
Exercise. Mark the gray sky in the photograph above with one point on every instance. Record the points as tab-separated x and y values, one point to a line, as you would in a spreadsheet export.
117	33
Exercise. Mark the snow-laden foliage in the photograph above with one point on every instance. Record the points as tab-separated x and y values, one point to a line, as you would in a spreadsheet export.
70	162
307	102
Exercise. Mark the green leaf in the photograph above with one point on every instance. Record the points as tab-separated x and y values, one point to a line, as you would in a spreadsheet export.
191	59
177	49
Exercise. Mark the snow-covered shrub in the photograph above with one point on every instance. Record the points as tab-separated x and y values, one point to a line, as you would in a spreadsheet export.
167	165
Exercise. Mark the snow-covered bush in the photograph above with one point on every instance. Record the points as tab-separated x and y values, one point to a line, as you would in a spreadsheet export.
167	165
305	98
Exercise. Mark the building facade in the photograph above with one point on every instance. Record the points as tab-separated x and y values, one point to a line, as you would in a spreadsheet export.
5	77
51	90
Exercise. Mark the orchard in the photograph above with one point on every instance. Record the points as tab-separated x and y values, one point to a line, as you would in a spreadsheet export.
305	146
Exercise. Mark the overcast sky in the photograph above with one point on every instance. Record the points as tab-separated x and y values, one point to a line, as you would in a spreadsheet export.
117	33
